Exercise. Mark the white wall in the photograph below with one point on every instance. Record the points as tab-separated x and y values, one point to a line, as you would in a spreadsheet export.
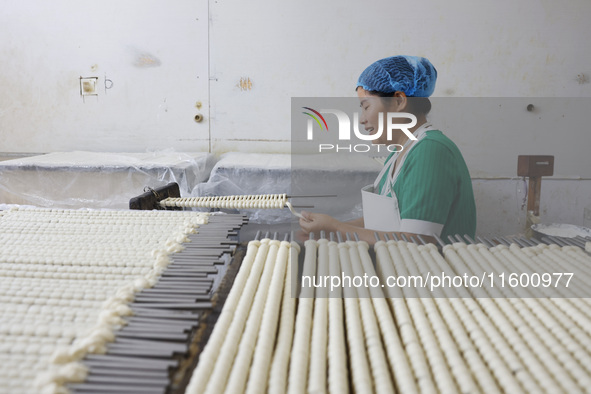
524	48
157	54
501	204
154	52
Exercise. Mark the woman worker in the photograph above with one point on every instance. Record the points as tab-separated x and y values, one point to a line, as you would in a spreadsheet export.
423	189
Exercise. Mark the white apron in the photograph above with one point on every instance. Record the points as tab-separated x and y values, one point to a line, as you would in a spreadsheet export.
380	212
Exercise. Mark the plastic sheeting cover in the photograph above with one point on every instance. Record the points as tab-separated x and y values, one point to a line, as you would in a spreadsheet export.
327	174
97	179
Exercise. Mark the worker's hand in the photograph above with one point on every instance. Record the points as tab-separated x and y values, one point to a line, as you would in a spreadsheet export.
316	222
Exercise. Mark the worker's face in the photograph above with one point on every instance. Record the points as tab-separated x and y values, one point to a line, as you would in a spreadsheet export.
374	108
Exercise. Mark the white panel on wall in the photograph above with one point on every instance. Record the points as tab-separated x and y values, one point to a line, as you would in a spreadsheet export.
152	54
493	132
524	48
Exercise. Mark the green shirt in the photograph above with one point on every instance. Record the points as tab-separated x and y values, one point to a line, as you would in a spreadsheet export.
434	189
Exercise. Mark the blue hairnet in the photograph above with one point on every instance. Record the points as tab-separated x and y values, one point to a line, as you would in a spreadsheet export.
415	76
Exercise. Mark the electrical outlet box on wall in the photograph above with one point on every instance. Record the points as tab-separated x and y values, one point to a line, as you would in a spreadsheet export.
88	86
